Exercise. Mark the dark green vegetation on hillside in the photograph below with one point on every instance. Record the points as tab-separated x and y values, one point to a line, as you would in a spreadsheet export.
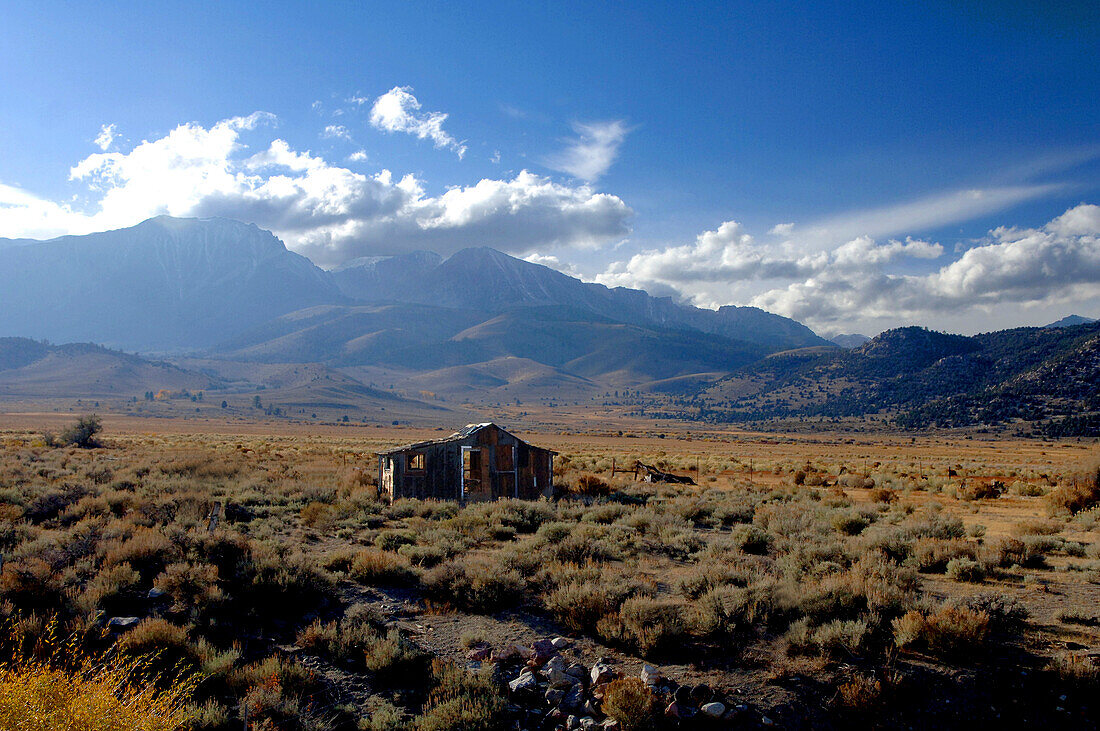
1049	378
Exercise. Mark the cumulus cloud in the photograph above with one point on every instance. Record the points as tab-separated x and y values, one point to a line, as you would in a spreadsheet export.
864	280
320	209
399	111
106	137
590	154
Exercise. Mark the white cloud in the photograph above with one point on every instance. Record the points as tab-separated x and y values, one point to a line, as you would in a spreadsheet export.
399	111
358	156
862	280
106	137
320	209
336	131
590	154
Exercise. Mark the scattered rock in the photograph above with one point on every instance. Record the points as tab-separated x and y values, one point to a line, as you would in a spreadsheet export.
574	698
701	694
587	722
650	675
122	622
610	724
155	593
765	721
526	682
560	643
525	652
479	653
504	653
602	672
544	650
714	710
673	710
553	696
683	695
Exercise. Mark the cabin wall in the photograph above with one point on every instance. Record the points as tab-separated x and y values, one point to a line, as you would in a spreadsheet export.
499	466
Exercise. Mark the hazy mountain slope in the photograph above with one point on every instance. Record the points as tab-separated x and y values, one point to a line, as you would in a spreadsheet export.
31	369
1070	321
488	280
165	284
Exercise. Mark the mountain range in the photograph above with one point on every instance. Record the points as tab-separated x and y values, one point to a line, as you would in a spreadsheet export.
231	290
222	306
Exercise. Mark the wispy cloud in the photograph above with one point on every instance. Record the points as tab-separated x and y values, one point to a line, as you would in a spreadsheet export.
399	111
106	137
590	154
336	131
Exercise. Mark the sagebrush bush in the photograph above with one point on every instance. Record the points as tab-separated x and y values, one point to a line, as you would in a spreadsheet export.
461	701
630	702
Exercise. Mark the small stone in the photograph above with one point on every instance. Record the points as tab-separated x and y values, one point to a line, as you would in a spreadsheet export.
587	722
553	696
558	678
122	622
610	724
714	710
559	643
525	652
574	698
765	721
578	671
572	722
650	675
155	593
673	710
602	673
479	653
701	694
683	695
504	653
544	650
524	683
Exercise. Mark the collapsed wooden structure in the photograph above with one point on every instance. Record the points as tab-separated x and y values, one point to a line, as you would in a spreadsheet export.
649	473
477	463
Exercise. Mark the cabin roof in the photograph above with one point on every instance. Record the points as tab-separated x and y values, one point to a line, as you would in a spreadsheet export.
463	433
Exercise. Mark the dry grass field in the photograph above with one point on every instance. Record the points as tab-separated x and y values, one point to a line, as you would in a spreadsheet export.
808	580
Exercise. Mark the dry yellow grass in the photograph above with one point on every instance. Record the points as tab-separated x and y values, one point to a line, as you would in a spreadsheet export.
99	696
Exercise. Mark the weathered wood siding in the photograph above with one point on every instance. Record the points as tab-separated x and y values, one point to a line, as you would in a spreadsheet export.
487	465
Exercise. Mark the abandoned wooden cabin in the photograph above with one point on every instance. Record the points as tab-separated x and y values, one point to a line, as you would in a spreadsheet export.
480	462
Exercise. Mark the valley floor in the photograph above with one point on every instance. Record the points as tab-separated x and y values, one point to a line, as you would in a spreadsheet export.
808	580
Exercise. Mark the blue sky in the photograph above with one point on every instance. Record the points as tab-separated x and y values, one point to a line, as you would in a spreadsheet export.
843	163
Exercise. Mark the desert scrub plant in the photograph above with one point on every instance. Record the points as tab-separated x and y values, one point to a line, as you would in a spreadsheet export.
965	570
582	596
652	626
376	567
1075	670
479	584
950	631
462	701
1082	493
932	555
82	433
193	588
630	702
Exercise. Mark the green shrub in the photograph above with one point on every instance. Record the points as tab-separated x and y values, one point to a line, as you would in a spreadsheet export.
965	569
461	701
